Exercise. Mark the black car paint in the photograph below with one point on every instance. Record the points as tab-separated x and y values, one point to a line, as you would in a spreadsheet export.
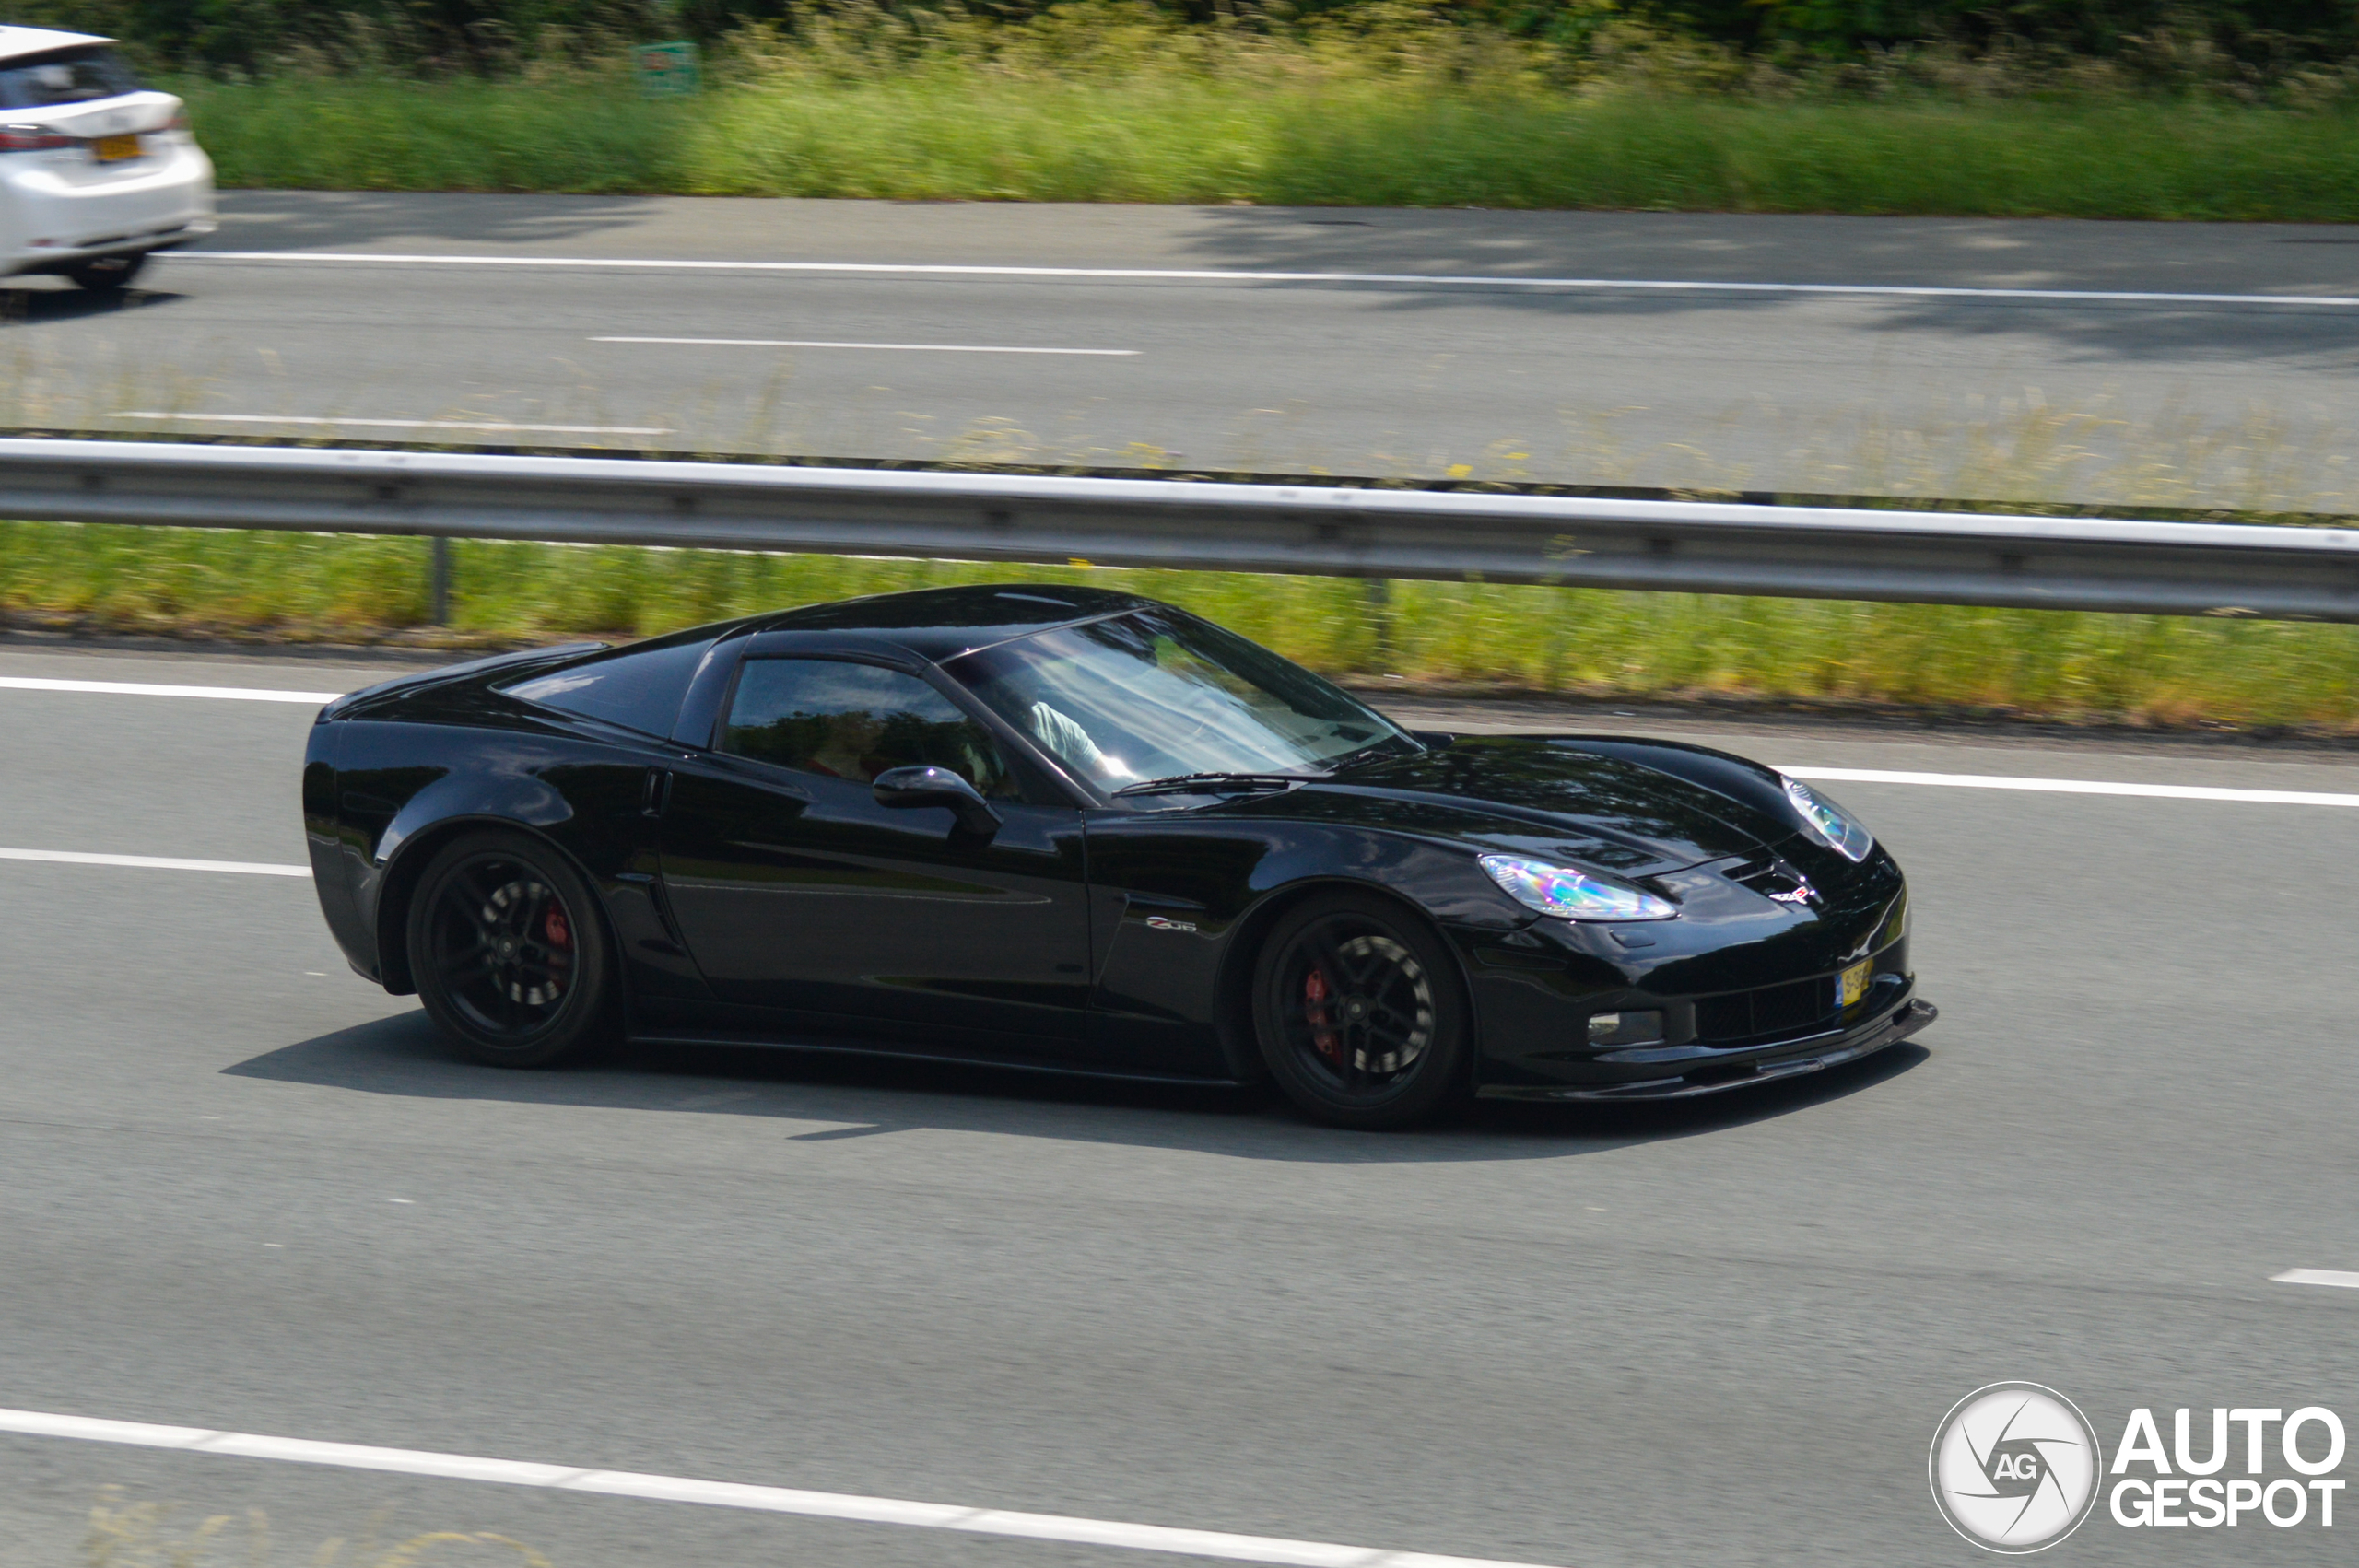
1092	933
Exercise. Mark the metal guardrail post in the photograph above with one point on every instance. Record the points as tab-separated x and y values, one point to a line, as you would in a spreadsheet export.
438	582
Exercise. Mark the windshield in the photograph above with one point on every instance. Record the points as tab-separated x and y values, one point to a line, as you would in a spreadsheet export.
76	74
1158	694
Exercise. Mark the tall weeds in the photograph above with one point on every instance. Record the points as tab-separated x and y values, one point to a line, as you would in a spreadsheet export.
1382	104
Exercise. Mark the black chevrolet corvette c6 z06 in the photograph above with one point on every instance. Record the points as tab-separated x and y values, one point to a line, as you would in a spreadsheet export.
1081	831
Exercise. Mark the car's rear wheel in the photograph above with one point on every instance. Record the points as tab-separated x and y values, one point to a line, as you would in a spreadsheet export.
509	953
104	274
1359	1012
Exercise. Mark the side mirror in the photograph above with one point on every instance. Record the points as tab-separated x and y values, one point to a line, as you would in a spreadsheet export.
906	787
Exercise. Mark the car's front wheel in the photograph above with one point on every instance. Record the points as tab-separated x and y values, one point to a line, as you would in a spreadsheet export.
104	274
1359	1012
508	953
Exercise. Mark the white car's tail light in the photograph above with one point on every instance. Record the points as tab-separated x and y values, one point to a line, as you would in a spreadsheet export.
34	138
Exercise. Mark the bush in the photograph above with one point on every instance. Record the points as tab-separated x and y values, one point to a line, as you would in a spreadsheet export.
2164	41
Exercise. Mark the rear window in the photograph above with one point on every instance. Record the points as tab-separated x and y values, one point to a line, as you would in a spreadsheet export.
638	687
78	75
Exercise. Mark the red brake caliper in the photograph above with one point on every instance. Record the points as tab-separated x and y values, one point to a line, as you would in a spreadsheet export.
560	939
1314	996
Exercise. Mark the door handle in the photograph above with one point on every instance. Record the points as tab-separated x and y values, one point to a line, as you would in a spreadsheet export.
656	794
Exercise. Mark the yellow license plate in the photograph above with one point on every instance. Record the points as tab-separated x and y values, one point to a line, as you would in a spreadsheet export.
1853	983
114	149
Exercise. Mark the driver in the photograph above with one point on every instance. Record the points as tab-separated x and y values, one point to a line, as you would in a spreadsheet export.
1062	734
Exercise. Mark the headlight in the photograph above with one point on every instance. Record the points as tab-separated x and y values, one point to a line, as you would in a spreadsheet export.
1828	823
1574	894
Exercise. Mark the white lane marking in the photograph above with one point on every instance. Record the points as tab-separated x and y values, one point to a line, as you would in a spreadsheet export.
154	862
393	424
897	348
2317	1277
733	1495
2078	787
143	688
1208	274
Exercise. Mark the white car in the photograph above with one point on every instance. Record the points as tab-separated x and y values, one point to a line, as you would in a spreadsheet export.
95	170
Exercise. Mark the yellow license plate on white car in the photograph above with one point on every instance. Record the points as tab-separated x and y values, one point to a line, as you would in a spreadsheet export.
1852	984
114	149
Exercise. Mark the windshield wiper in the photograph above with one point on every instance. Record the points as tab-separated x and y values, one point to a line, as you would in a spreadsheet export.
1215	781
1375	751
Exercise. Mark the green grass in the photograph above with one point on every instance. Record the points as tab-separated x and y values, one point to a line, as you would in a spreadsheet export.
2068	666
1097	103
157	1534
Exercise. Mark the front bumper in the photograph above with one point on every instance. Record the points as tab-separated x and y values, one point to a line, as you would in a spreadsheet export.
1787	1060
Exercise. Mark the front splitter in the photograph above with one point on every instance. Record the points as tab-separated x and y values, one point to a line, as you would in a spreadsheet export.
1904	1021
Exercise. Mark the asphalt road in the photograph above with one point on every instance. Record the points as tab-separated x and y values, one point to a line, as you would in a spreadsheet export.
2144	394
242	1189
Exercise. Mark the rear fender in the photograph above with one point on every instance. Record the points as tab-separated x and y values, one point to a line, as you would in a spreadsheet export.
397	794
524	800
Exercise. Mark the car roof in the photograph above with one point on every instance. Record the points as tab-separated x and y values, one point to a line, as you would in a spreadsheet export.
41	41
941	623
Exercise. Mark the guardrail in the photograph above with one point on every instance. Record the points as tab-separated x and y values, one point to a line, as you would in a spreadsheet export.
2298	573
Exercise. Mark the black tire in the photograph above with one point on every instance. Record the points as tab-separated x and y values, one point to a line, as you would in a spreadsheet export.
1359	1012
510	952
104	274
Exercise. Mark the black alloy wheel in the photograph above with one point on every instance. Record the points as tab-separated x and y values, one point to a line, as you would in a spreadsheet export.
104	274
507	951
1359	1012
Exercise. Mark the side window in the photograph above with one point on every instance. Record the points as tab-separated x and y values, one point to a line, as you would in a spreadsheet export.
639	687
853	721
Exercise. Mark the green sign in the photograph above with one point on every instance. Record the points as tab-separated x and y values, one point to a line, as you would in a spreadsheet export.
666	70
